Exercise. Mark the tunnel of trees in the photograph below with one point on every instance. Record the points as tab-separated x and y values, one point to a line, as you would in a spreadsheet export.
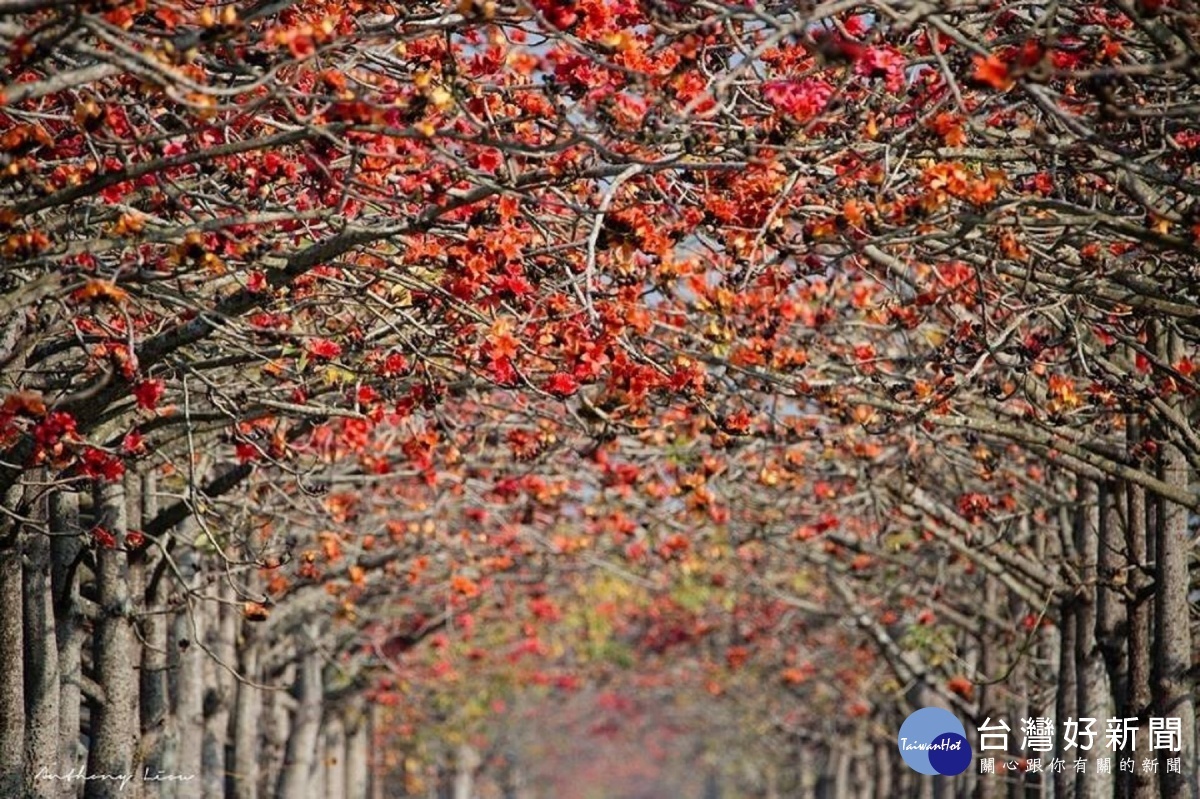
610	398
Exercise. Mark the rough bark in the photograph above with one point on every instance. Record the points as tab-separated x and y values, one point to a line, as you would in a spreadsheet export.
358	747
1111	622
68	630
318	778
1018	702
1140	615
841	776
114	721
862	775
883	772
248	708
334	756
186	682
41	661
276	724
12	677
1066	695
986	787
155	716
221	631
1094	695
136	587
302	742
375	722
1172	688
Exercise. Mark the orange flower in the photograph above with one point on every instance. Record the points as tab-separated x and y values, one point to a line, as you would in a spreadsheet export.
464	586
961	685
254	611
992	72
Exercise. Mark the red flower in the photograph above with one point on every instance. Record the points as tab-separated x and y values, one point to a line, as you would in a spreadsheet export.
256	281
737	423
103	538
883	62
558	13
245	452
57	425
974	506
736	656
802	99
323	348
502	372
97	463
148	393
561	384
858	25
393	365
134	443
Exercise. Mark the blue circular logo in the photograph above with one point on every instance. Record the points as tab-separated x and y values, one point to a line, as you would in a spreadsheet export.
933	741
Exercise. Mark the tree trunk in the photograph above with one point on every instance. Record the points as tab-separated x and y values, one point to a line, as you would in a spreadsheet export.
41	662
358	747
275	727
823	783
221	631
863	779
1140	615
841	775
12	666
302	742
318	778
247	747
1018	706
1172	689
1094	695
186	682
883	772
334	756
1066	695
1111	622
114	720
374	766
135	560
987	786
65	546
712	785
155	715
465	762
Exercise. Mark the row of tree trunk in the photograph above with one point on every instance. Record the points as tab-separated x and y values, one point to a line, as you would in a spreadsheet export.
132	671
1114	640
